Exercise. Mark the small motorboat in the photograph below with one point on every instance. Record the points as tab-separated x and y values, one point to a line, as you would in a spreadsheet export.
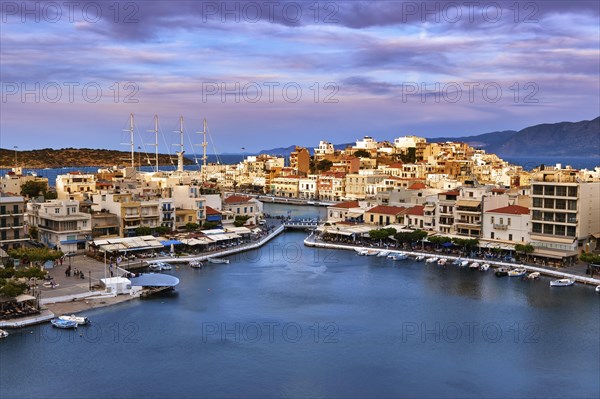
400	256
474	266
66	324
196	264
360	251
464	263
383	254
442	262
420	258
3	334
371	252
433	259
457	261
80	320
165	266
217	260
484	267
533	276
501	272
563	282
598	289
519	272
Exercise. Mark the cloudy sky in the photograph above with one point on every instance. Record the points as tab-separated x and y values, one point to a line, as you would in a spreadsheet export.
276	73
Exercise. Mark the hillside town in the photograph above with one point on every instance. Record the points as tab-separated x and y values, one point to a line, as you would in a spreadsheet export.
445	189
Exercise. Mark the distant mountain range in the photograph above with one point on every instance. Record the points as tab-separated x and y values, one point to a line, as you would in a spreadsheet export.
548	139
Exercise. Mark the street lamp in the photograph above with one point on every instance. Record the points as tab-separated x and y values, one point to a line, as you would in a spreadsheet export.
16	163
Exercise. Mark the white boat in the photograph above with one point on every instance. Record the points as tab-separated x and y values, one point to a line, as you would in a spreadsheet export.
371	252
563	282
598	288
457	261
196	265
433	259
400	256
360	250
474	265
464	263
533	276
517	272
383	253
484	267
80	320
420	258
391	255
442	262
166	266
217	260
3	334
59	323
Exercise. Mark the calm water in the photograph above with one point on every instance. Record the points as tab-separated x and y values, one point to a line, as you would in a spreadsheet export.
290	321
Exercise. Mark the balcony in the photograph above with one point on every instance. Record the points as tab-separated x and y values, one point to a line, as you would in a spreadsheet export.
499	226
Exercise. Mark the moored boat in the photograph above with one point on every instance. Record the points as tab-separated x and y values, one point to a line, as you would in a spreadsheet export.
400	256
383	254
598	288
3	334
533	276
474	265
433	259
464	263
371	252
195	264
501	272
457	261
484	267
59	323
442	262
563	282
80	320
217	260
420	258
517	272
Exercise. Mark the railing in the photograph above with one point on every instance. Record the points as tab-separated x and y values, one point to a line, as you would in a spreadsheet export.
499	226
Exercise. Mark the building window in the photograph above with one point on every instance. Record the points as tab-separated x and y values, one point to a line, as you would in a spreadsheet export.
492	222
509	221
501	220
57	210
492	235
510	237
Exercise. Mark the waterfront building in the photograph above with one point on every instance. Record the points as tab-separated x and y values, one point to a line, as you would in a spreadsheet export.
12	226
565	213
346	211
307	187
75	186
383	215
357	184
131	211
241	206
509	224
331	186
60	224
413	217
300	161
11	182
285	186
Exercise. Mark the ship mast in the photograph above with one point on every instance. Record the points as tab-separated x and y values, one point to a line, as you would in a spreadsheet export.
131	130
181	151
204	145
155	145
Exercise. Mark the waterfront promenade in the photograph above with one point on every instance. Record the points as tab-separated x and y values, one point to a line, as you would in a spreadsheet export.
574	273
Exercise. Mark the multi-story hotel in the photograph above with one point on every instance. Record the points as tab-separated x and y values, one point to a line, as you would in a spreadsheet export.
12	231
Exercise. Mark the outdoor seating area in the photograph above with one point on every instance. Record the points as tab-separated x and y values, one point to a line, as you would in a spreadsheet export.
21	306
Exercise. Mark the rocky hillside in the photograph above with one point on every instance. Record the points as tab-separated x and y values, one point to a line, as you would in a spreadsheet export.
50	158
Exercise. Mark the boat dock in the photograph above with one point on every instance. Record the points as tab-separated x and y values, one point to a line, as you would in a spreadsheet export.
44	316
311	242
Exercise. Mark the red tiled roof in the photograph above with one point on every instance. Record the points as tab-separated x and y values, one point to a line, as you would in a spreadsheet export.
498	190
415	210
395	165
235	199
212	211
417	186
512	210
451	193
346	204
386	209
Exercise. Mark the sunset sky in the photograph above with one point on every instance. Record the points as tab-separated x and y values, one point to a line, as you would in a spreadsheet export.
372	63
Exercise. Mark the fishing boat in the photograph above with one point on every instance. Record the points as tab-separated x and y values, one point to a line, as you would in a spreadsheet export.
217	260
383	254
484	267
3	334
474	265
66	324
442	262
533	276
433	259
563	282
519	272
400	256
501	272
80	320
195	264
420	258
464	263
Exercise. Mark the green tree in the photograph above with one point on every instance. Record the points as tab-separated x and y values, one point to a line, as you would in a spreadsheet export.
525	249
33	232
33	188
12	289
590	258
35	254
143	231
410	156
324	165
162	229
240	220
209	225
362	154
191	226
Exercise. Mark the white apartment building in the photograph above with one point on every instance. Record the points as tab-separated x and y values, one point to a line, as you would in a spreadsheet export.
75	186
60	224
307	187
507	224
